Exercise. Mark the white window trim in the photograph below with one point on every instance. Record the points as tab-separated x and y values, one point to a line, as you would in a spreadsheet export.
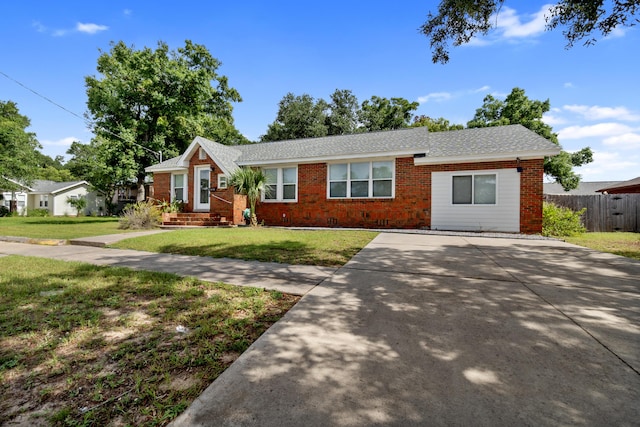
280	185
473	183
202	154
185	187
371	162
44	201
222	182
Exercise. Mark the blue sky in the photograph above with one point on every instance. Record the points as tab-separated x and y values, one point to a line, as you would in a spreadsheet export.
372	48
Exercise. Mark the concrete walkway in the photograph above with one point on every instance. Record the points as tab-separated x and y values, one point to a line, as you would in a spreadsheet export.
293	279
437	330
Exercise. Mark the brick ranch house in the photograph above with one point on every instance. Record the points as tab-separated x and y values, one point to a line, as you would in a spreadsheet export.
484	179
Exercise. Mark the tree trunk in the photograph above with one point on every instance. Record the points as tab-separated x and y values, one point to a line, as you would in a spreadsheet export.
141	192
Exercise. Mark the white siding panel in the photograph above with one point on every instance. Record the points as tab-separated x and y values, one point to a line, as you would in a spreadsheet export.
503	216
60	205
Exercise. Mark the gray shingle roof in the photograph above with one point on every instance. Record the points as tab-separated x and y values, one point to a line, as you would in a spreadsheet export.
619	185
171	163
491	142
467	142
225	155
45	186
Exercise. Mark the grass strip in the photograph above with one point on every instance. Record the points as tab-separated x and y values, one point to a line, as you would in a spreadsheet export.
308	247
624	244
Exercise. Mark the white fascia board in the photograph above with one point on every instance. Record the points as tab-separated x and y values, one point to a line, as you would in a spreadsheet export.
184	159
152	169
330	159
69	187
484	157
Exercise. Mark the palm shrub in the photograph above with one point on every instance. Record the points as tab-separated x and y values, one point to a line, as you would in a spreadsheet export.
250	182
558	221
78	203
141	215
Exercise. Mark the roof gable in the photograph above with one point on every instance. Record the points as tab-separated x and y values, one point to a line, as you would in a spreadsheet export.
223	155
52	187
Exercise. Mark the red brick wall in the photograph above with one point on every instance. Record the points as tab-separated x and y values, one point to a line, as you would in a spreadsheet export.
162	186
411	207
531	196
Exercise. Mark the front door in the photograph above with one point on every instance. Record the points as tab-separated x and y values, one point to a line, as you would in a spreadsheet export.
201	183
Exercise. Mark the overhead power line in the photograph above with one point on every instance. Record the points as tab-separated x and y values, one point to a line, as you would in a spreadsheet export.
87	122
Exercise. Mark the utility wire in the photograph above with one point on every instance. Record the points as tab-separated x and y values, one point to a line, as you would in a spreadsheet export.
89	123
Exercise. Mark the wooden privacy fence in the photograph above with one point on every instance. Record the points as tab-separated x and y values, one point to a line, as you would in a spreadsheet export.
605	212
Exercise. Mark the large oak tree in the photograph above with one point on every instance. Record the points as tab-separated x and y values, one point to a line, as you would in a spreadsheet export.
459	21
145	102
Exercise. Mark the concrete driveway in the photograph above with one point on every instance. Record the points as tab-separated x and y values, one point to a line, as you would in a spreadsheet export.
438	330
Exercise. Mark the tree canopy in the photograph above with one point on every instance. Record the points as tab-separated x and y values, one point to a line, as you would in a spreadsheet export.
18	148
458	21
386	114
517	108
150	101
298	117
305	117
435	125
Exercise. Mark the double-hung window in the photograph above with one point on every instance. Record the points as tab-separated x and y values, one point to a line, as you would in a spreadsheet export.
281	184
222	182
44	201
361	179
474	189
178	188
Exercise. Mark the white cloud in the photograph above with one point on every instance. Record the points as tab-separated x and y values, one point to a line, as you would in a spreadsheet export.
617	32
481	89
90	28
598	130
626	141
127	12
511	26
435	96
568	85
553	120
596	112
609	166
63	142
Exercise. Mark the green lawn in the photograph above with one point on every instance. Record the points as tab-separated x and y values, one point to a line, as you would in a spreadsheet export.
58	227
89	345
311	247
625	244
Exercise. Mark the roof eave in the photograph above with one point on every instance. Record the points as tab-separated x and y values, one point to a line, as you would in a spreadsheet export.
153	169
485	157
334	158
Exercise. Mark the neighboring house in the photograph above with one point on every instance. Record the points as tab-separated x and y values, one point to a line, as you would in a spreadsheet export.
625	187
53	196
585	188
17	198
485	179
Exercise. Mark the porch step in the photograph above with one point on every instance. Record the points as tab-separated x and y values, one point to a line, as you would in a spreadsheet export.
194	219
